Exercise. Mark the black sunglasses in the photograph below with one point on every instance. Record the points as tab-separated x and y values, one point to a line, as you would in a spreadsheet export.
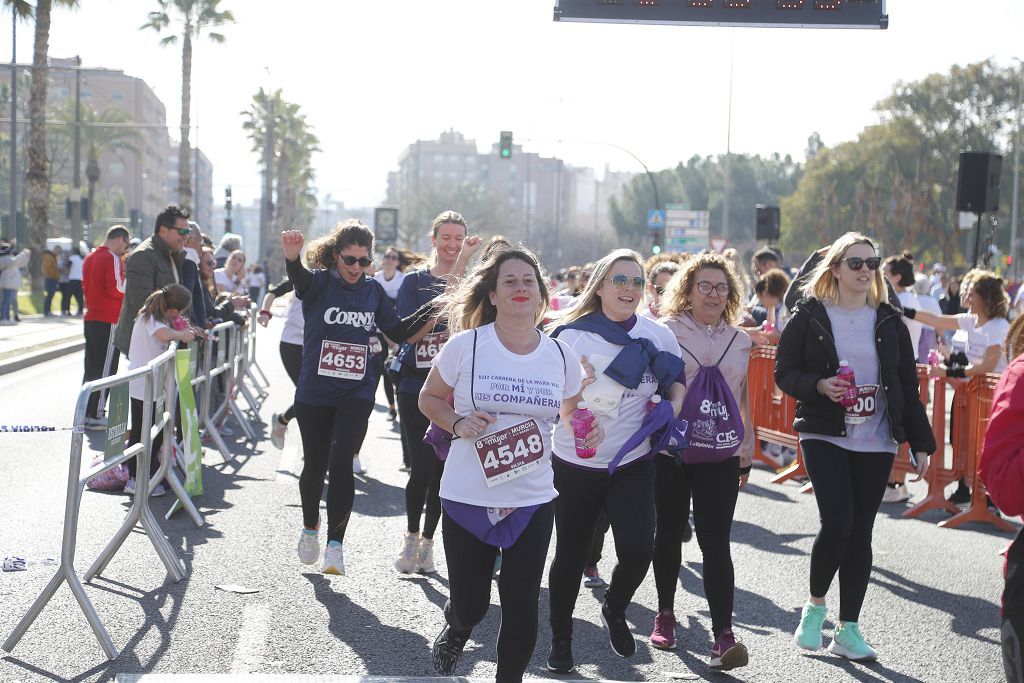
181	231
856	262
352	260
659	289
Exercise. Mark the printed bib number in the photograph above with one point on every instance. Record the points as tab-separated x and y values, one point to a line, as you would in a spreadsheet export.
428	347
341	360
864	409
510	453
375	346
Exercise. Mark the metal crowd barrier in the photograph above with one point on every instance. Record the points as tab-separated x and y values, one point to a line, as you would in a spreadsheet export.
161	385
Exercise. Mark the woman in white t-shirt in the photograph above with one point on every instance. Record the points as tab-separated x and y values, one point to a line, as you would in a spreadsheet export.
510	382
979	334
231	278
899	271
644	360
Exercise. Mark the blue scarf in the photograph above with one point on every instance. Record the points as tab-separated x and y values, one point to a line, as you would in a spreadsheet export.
636	357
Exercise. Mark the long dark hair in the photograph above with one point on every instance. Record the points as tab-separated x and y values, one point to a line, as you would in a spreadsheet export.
470	305
323	253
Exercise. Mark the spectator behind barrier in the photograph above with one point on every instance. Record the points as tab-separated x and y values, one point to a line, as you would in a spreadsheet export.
228	243
154	263
51	276
10	279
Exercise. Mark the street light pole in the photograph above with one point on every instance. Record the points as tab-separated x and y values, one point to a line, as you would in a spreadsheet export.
12	227
1016	174
76	183
727	188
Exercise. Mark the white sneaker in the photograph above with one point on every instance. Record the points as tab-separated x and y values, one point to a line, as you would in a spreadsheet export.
357	466
406	560
334	560
309	547
129	487
278	430
895	494
425	556
158	491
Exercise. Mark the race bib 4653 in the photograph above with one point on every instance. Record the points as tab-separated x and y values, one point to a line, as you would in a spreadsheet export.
342	360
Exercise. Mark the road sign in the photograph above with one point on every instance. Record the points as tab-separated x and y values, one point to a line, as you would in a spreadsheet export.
385	225
656	219
686	230
719	243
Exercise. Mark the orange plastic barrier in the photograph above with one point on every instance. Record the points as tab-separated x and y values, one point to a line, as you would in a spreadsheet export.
771	412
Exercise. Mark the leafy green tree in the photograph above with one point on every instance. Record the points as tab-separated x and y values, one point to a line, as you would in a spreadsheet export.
193	16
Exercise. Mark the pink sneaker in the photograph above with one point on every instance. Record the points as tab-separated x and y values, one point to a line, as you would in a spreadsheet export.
664	635
728	653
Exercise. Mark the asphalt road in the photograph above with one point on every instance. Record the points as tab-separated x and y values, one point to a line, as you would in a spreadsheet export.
931	609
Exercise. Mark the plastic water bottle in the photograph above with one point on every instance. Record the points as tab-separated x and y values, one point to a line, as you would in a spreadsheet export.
850	395
582	424
655	400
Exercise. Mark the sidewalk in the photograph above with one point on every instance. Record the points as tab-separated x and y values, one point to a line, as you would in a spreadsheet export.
37	339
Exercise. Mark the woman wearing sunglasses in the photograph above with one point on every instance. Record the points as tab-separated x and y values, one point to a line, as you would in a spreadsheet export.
702	308
849	451
634	357
335	394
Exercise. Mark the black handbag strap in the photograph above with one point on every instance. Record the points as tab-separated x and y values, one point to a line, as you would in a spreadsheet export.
720	358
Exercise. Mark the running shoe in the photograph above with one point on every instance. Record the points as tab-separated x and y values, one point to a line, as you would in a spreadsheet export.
158	491
591	578
560	657
895	493
392	415
334	559
848	642
664	635
425	556
357	467
447	650
277	431
961	496
129	486
727	652
309	546
619	637
687	531
406	560
808	633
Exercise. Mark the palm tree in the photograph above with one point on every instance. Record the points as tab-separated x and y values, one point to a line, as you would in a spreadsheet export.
22	10
38	165
195	15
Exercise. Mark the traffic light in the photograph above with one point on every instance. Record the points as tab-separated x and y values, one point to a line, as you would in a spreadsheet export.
505	145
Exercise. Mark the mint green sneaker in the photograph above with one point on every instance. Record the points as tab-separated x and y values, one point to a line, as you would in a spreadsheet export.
848	642
808	633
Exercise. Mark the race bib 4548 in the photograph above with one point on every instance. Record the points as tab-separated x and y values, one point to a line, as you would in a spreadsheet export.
510	453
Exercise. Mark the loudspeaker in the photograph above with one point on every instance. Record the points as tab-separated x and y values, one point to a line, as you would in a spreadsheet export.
977	184
768	218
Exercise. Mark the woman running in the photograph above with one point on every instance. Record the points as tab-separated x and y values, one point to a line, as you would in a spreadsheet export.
510	383
849	445
419	288
703	309
635	358
334	397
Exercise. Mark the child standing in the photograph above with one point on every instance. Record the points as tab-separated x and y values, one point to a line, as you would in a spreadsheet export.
154	329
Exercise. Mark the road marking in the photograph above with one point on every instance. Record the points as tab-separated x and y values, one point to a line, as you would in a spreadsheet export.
252	639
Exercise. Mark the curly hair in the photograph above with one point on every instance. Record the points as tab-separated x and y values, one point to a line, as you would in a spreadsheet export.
989	286
774	283
677	299
902	268
323	252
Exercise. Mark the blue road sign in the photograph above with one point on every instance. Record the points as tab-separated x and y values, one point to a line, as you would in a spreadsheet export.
656	219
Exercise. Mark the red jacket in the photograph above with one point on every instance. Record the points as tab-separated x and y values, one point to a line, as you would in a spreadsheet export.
103	284
1002	456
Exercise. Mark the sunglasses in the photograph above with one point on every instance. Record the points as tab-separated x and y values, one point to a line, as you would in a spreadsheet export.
659	289
390	257
352	260
856	262
622	281
705	288
184	232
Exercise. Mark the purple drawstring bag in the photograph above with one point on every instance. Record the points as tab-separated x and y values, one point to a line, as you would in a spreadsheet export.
439	437
715	424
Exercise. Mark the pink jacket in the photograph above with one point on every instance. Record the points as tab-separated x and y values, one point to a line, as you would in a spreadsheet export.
708	349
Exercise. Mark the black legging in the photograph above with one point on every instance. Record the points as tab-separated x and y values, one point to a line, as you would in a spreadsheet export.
598	545
848	487
291	357
627	497
715	487
425	478
377	361
381	361
328	434
470	566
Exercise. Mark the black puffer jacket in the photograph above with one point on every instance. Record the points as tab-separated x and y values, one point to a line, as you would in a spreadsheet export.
807	354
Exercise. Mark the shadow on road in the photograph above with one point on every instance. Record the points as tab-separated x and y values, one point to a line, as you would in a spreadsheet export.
765	539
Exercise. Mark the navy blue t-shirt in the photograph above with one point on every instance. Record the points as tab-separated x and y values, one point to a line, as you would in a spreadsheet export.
418	289
340	318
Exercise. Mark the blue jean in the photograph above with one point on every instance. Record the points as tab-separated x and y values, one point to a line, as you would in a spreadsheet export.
50	287
7	303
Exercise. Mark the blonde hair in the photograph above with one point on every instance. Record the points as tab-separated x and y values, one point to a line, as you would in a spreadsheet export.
677	297
823	285
589	301
469	306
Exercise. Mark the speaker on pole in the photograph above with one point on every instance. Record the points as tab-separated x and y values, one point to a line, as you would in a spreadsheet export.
768	220
977	184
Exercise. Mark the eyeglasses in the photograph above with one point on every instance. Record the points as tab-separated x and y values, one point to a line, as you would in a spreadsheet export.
352	260
705	288
622	281
390	257
659	289
184	232
856	262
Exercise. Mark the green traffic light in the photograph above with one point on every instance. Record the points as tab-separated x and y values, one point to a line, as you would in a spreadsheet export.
656	249
506	153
